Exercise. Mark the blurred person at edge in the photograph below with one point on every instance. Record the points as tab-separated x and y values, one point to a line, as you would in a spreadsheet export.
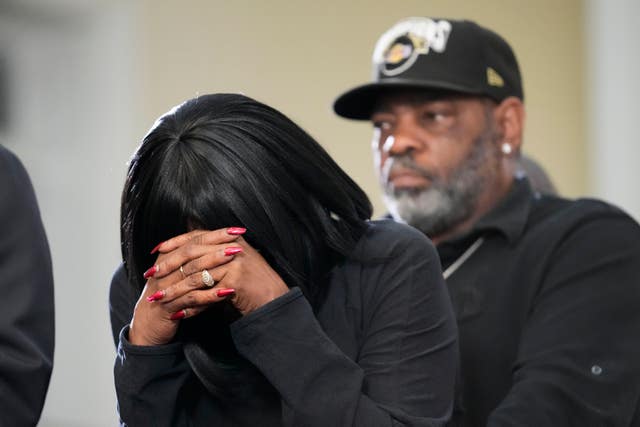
26	305
538	177
291	309
546	290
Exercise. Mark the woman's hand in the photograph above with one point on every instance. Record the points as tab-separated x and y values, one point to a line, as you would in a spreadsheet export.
195	270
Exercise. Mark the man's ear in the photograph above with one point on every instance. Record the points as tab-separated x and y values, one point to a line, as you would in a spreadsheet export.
510	118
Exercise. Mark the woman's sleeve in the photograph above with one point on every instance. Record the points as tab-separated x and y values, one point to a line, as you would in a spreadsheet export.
122	301
405	371
154	384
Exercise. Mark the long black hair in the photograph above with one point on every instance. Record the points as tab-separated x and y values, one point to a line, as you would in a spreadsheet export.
227	160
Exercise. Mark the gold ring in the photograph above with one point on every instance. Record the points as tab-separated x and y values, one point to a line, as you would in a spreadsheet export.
184	276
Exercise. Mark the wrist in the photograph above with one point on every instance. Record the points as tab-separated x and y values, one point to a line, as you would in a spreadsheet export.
267	297
134	338
139	339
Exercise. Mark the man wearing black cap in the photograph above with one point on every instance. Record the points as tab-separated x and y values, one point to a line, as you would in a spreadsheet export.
546	290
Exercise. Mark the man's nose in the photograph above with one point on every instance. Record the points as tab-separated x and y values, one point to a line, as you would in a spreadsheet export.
404	140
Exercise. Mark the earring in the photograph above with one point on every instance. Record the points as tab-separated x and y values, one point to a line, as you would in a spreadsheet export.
506	148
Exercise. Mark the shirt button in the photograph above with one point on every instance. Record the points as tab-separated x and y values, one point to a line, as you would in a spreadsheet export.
596	370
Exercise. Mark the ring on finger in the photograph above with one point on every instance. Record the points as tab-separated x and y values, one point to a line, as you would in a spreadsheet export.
183	273
207	279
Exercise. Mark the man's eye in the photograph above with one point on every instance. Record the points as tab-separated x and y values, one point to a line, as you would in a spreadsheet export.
435	116
382	125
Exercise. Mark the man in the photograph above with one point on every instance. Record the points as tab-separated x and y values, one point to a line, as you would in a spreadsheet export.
26	302
546	290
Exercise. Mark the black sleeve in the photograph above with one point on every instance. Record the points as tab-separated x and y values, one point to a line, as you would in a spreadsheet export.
122	302
150	384
155	385
578	361
404	373
26	305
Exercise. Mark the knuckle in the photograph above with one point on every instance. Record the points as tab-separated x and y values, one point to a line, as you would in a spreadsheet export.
216	236
191	300
213	235
190	268
195	280
230	279
211	260
238	264
171	307
189	251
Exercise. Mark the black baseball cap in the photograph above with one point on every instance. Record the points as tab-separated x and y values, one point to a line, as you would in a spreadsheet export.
439	54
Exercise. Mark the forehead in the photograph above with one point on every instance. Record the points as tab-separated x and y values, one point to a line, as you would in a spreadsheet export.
416	98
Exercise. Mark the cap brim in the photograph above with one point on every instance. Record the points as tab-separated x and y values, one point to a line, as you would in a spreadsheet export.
358	103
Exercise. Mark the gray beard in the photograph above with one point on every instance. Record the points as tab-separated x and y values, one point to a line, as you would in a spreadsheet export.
447	202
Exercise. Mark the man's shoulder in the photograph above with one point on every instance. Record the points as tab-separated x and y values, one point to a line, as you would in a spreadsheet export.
568	214
578	208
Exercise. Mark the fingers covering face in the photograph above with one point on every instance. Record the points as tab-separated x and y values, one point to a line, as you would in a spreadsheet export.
197	250
186	278
209	237
191	293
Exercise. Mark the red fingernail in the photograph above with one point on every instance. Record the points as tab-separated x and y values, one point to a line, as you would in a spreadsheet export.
154	250
155	297
225	292
236	231
150	272
232	250
178	315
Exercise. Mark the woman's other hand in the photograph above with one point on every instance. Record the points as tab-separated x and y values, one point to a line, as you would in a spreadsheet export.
195	270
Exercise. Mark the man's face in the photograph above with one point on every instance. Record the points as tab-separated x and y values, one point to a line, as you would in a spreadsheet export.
435	157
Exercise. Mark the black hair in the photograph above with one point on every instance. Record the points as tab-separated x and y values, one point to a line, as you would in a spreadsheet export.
224	160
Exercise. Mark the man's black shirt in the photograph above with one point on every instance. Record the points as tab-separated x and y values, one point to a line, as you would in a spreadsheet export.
548	310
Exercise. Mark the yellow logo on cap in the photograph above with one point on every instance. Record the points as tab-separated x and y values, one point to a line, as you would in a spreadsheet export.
398	53
493	78
399	48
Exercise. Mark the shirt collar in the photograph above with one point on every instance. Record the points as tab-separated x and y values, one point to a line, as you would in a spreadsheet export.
508	218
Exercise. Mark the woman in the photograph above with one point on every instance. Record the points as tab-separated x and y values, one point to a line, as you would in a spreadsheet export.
271	300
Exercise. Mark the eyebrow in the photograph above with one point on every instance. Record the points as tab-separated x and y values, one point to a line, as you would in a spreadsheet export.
416	99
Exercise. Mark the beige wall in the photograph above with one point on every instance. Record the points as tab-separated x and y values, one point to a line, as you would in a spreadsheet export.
298	55
89	76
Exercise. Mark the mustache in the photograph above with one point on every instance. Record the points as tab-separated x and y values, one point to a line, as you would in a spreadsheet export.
404	162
